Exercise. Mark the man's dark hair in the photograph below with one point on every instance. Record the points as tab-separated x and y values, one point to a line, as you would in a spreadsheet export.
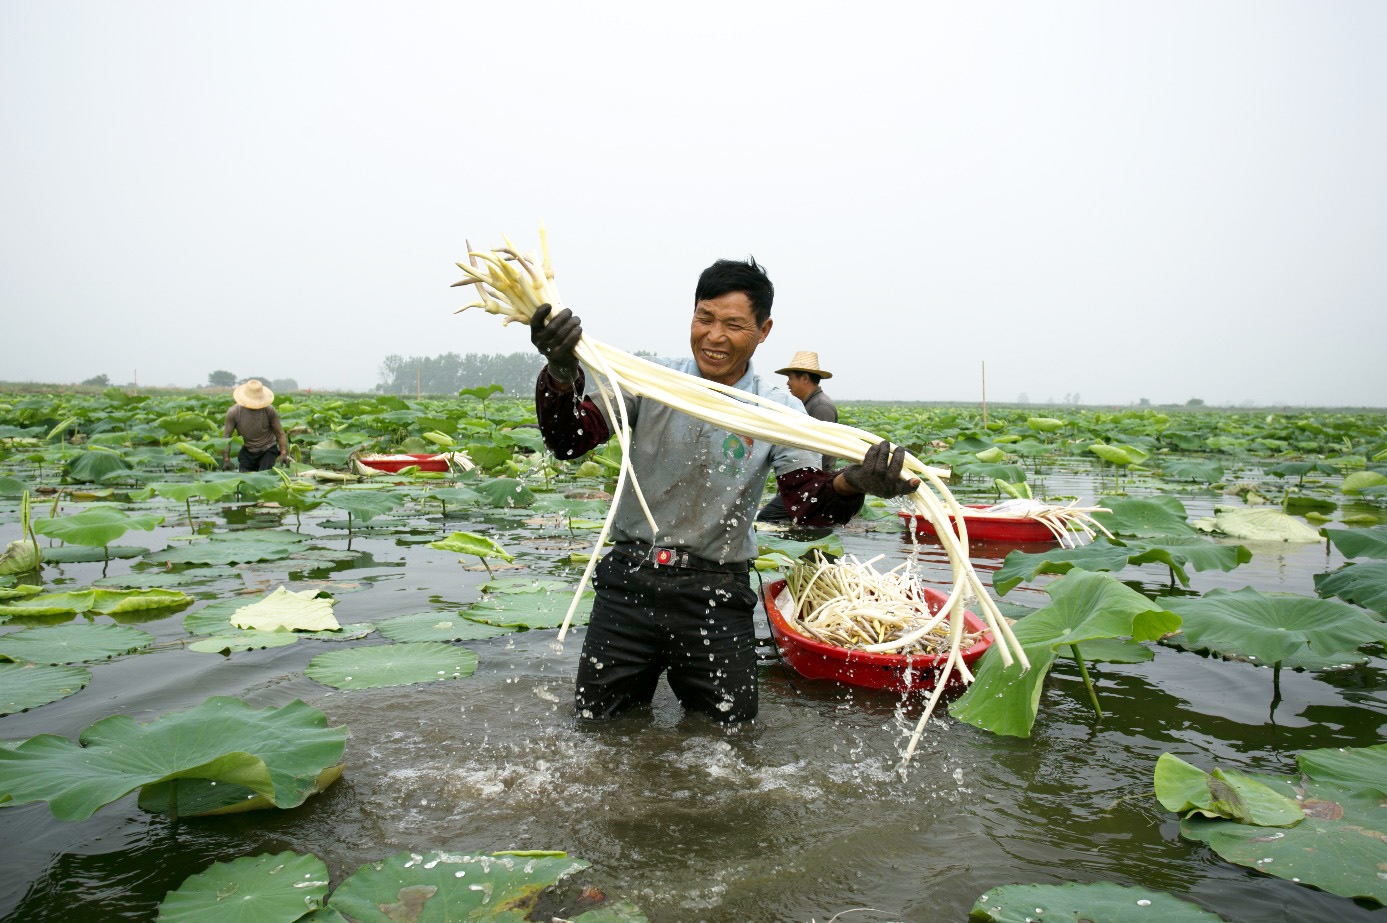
814	378
749	278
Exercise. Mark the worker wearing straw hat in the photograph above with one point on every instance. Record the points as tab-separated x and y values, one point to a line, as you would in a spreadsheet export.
262	436
803	375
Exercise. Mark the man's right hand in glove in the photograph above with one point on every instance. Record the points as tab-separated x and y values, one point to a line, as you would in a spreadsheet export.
879	474
556	339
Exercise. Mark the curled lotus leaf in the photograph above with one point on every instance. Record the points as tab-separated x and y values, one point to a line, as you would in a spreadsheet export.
275	752
95	527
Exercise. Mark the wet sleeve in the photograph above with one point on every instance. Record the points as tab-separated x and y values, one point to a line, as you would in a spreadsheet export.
809	496
570	425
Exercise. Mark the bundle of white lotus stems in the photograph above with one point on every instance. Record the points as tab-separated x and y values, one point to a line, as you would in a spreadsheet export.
513	284
850	604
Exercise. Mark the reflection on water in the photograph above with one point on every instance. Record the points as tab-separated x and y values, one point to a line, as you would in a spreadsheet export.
803	815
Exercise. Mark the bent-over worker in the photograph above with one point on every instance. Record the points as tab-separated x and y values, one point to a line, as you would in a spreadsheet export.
681	601
262	436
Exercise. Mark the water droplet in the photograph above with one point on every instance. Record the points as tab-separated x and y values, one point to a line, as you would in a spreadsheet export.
1143	903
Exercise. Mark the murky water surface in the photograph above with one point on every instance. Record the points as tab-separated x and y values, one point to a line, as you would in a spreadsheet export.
802	816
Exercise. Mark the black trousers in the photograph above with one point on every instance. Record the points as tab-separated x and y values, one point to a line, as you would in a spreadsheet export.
646	620
257	461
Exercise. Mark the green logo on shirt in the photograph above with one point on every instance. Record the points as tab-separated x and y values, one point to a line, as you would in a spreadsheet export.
732	448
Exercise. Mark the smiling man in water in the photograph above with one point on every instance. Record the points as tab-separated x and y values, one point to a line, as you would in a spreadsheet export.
681	601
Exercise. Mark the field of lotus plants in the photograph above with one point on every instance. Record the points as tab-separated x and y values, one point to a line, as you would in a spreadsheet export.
328	692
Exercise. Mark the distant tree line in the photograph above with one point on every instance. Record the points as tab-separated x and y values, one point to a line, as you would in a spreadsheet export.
450	373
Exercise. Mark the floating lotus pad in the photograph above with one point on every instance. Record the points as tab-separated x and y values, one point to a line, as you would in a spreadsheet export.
99	600
27	685
436	887
1263	524
267	887
439	626
243	641
284	609
95	527
72	643
275	752
1339	846
1083	903
529	610
383	665
77	554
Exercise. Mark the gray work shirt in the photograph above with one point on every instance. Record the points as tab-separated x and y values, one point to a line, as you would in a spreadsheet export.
703	484
821	407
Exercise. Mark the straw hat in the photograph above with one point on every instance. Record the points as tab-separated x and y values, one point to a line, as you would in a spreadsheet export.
805	361
253	395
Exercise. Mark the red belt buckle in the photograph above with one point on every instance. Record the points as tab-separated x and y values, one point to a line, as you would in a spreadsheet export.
663	556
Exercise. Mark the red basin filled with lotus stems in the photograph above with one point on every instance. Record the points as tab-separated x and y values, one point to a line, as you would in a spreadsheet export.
814	659
987	528
433	462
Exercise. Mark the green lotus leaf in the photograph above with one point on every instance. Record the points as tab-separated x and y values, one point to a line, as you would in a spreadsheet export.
78	554
184	491
1083	903
10	488
990	455
487	456
767	544
526	585
1020	566
441	887
1176	551
121	602
530	610
1112	454
1359	481
1300	469
454	496
95	527
1340	847
186	422
157	579
28	685
206	798
1014	474
1352	767
64	603
364	504
1085	606
438	626
1301	505
240	550
250	889
1044	424
1204	472
287	610
1248	625
213	618
243	641
472	543
1188	790
1144	517
1358	543
72	643
1263	524
196	454
505	492
19	592
92	467
382	665
275	752
1361	584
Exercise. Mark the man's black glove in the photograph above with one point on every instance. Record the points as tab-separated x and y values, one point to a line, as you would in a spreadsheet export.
880	472
557	340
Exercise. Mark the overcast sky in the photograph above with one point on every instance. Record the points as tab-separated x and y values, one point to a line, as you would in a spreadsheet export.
1113	200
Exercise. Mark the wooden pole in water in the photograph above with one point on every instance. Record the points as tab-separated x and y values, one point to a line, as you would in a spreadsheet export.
984	394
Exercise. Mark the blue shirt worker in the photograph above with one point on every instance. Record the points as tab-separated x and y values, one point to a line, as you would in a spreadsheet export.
680	602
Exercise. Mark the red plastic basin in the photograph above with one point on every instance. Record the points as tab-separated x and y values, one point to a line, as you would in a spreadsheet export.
814	659
397	462
988	528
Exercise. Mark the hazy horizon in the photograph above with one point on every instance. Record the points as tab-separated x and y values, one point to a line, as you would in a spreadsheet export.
1119	201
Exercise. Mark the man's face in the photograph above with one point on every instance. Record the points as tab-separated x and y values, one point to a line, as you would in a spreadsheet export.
723	336
801	385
